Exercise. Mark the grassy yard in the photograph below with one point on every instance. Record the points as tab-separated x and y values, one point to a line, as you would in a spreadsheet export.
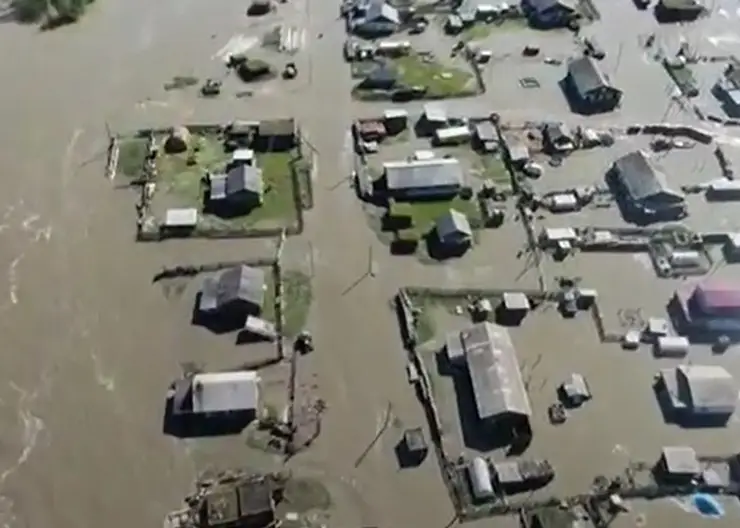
490	167
441	81
131	156
297	302
182	181
278	207
179	179
481	30
425	214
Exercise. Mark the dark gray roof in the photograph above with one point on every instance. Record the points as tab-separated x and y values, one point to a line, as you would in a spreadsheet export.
494	371
709	386
437	172
239	283
485	131
543	5
451	223
276	127
556	132
379	10
586	75
641	177
242	178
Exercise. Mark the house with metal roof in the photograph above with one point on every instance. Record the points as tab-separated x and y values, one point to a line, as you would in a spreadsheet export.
415	179
374	18
488	354
237	192
643	188
453	230
234	293
668	11
588	88
699	394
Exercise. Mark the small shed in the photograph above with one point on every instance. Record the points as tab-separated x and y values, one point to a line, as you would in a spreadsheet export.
180	221
731	249
485	137
672	346
575	390
434	116
242	156
679	464
414	447
453	229
508	476
552	235
453	25
395	120
657	327
518	154
480	479
514	307
452	135
225	392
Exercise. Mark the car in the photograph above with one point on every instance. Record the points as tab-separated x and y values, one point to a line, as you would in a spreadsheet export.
531	51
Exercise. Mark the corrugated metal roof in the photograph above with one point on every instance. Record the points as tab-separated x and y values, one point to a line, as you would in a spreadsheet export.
438	172
681	460
181	217
715	297
435	112
710	386
241	282
225	391
641	177
453	223
586	75
494	371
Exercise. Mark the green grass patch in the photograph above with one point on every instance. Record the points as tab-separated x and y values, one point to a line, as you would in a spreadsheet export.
297	301
131	155
425	214
489	167
183	180
481	30
440	80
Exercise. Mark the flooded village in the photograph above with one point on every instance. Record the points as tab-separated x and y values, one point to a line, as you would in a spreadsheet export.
370	264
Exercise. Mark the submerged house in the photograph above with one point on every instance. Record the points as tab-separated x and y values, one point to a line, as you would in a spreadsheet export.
423	179
234	294
453	230
710	308
549	13
374	18
643	188
698	394
236	192
588	88
487	353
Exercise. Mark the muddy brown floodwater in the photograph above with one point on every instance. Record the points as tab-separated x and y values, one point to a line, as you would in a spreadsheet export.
90	346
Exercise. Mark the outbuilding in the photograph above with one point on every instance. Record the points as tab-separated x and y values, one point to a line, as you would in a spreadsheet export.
237	192
480	479
225	392
434	116
698	394
678	465
451	136
180	222
395	120
589	89
453	230
642	187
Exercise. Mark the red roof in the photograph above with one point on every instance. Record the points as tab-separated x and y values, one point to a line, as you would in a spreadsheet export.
717	296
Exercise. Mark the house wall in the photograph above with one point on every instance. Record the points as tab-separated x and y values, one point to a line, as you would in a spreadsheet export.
420	193
378	27
603	99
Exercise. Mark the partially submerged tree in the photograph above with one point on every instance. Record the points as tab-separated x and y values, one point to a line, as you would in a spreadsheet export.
50	13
